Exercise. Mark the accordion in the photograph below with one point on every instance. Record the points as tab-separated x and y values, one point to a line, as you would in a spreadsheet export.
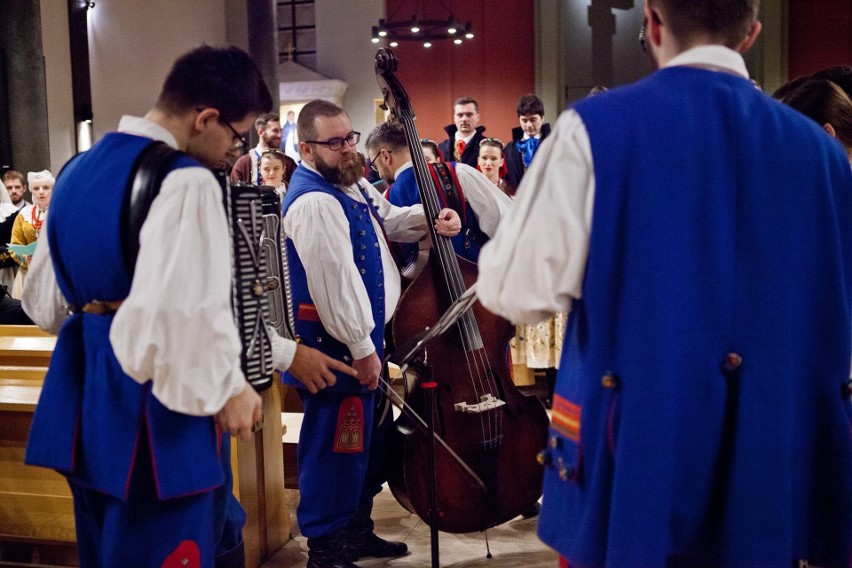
258	275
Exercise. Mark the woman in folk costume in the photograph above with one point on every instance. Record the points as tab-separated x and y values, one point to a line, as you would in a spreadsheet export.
534	346
29	222
272	165
8	214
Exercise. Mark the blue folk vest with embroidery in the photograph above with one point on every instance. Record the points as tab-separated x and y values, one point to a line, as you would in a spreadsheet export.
699	411
367	256
87	423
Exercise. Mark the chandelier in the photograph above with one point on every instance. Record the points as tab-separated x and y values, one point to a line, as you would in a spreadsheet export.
422	29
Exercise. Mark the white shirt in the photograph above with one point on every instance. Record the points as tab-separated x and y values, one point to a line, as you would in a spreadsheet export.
176	326
320	232
535	264
488	203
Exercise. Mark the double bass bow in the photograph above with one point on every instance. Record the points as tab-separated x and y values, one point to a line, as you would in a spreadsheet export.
492	429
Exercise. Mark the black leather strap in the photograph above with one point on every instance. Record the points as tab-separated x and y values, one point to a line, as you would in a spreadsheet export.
151	167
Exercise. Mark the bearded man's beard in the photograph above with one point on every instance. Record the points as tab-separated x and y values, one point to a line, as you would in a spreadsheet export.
347	172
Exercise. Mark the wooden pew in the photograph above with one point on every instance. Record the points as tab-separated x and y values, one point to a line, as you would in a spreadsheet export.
36	509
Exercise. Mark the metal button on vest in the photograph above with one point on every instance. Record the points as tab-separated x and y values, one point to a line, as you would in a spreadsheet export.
362	257
362	247
555	442
362	233
732	362
354	206
347	358
359	217
544	458
363	271
566	473
609	381
319	339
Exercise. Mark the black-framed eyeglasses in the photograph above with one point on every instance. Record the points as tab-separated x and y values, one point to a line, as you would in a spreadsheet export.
238	141
336	144
643	43
373	160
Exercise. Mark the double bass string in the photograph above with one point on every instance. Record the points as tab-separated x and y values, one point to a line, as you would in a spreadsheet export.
479	369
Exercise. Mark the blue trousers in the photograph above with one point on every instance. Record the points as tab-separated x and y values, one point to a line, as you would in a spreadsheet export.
145	531
338	483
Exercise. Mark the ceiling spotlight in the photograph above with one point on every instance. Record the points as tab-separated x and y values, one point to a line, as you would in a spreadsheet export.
419	27
415	29
457	41
394	44
427	44
451	30
469	35
375	40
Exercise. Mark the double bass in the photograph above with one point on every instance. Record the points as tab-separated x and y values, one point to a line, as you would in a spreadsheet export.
485	467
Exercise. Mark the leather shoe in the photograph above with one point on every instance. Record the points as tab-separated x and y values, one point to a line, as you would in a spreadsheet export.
369	544
328	552
531	511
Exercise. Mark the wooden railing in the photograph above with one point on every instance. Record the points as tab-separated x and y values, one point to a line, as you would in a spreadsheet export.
36	509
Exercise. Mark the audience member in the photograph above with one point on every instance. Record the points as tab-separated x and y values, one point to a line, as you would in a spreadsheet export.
841	75
431	151
246	168
700	235
825	103
491	163
29	222
462	144
272	165
8	265
16	186
525	138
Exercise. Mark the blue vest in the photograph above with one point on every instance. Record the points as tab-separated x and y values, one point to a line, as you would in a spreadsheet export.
404	193
701	409
367	256
87	423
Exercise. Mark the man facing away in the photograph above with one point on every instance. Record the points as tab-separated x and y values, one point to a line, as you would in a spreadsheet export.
526	138
464	135
247	167
145	386
702	408
345	289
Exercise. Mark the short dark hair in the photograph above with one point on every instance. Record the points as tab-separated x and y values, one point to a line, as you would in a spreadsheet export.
264	119
789	87
725	21
222	78
306	123
839	74
467	101
426	143
529	105
12	174
390	135
826	103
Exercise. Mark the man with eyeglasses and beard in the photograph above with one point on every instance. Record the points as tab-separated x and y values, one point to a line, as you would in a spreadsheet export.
345	287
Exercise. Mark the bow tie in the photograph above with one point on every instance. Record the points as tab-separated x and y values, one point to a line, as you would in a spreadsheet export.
527	149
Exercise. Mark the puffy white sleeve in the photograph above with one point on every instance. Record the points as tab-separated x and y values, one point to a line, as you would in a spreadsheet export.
320	232
41	299
402	224
176	326
536	262
489	204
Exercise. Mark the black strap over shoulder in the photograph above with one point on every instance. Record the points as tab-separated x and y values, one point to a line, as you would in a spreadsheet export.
151	167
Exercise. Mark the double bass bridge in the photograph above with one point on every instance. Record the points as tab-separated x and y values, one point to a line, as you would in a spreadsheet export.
486	402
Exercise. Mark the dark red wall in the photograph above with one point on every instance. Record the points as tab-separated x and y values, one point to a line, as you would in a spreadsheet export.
820	35
495	68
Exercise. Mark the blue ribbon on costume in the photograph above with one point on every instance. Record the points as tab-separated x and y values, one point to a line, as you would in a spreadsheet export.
527	149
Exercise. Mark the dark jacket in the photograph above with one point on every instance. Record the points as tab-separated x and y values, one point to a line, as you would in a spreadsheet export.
471	151
514	163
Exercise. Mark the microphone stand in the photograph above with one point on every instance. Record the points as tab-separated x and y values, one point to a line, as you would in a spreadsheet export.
407	356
